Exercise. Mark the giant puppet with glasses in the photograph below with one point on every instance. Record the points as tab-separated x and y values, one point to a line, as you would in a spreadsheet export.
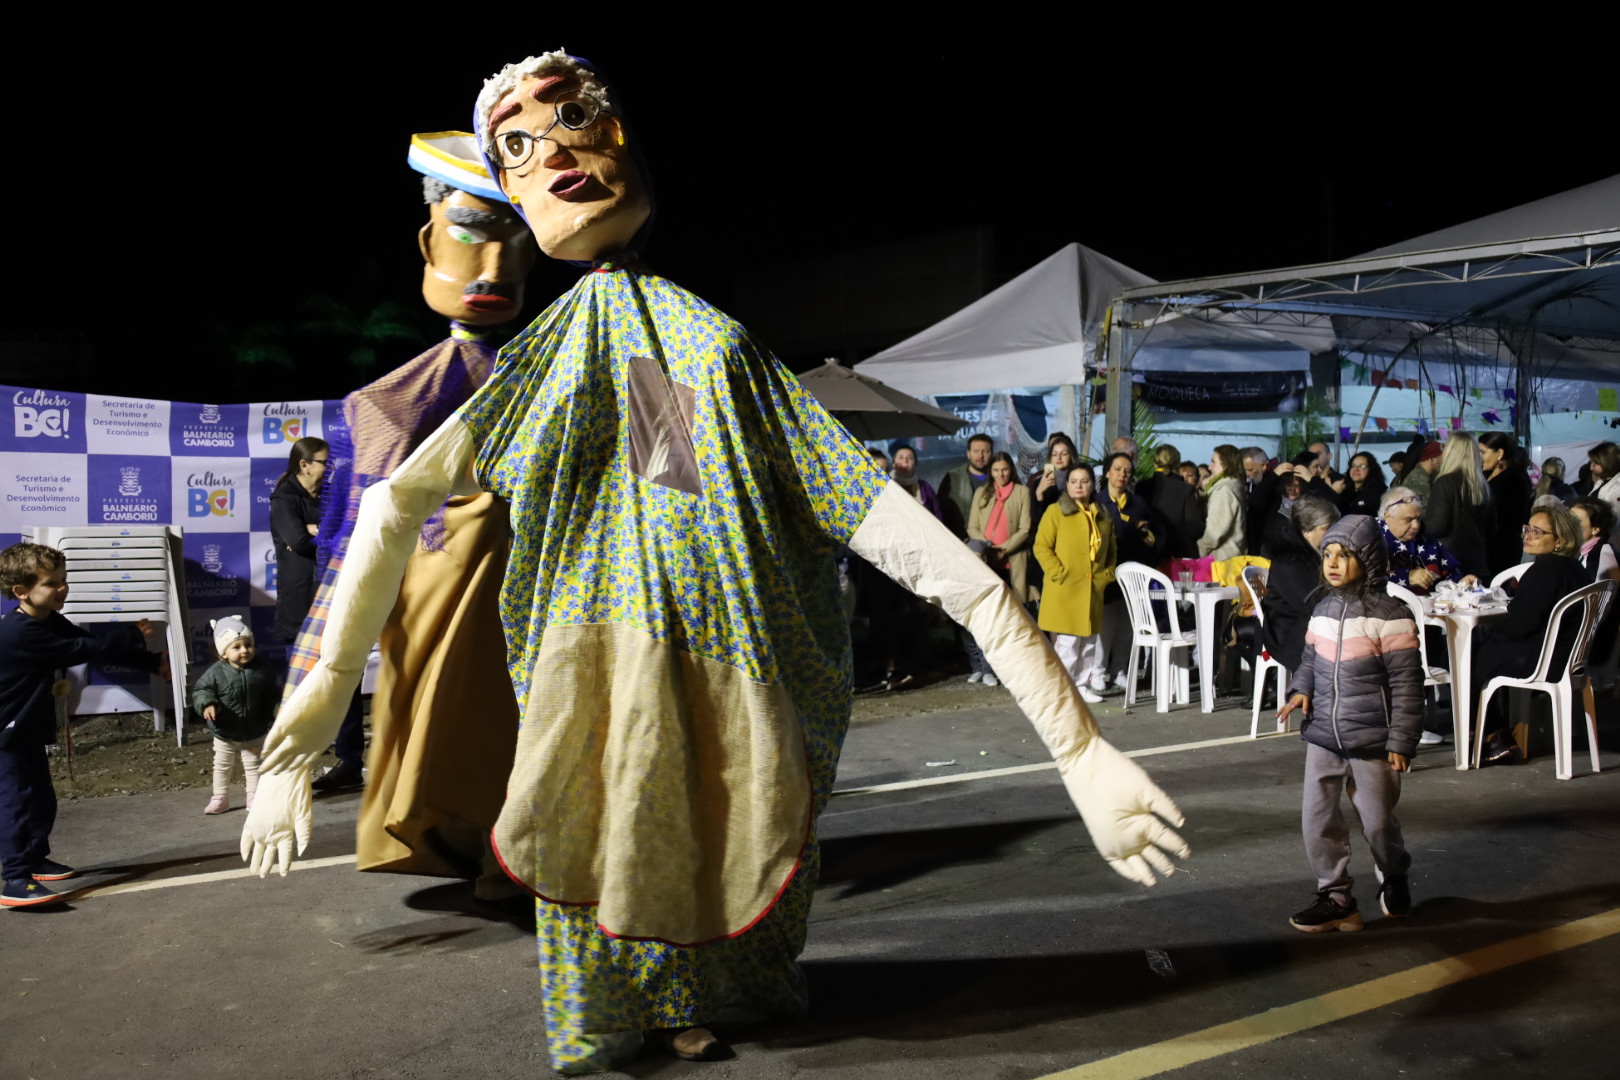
674	637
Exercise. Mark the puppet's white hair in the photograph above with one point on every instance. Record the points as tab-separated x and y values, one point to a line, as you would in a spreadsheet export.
502	82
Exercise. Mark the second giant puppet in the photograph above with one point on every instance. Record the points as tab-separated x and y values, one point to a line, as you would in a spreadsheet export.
476	254
674	637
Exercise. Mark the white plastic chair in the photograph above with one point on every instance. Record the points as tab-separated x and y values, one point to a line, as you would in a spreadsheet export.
1136	582
1560	690
1265	663
1512	573
1432	676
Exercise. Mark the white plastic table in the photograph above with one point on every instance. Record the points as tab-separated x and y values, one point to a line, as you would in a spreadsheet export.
1204	596
1459	626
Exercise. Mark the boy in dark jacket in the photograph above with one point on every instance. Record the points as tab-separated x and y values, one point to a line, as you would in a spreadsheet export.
1360	684
35	642
237	698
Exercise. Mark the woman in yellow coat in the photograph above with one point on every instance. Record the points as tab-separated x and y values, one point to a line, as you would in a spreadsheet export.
1075	547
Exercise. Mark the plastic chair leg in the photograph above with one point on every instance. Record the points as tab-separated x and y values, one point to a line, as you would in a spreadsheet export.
1161	672
1479	722
1560	695
1591	724
1259	692
1130	675
1282	695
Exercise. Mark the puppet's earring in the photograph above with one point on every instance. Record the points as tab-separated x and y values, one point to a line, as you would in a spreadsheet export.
619	137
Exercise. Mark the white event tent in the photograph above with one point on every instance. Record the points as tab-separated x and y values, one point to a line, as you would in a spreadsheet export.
1038	335
1527	300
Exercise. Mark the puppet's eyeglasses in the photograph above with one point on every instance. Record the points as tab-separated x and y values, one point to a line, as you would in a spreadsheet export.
575	111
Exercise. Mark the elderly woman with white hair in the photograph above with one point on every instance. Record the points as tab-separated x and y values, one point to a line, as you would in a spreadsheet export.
1417	560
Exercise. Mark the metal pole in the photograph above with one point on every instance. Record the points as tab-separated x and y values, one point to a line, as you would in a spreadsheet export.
1117	420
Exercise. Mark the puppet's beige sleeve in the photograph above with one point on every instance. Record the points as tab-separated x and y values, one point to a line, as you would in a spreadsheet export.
1112	793
392	513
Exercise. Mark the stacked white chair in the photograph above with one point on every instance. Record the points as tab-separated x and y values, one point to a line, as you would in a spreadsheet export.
1265	663
1138	584
1561	688
125	573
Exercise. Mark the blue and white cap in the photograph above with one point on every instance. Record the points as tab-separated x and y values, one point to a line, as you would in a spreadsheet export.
454	157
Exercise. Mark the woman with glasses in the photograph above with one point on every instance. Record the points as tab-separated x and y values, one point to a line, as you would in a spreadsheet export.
1506	470
1363	487
1511	646
295	517
1460	511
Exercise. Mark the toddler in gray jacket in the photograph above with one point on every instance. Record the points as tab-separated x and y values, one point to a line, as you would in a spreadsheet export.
237	698
1360	685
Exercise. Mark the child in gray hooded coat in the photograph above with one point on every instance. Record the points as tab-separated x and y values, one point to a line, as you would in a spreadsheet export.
1360	684
237	699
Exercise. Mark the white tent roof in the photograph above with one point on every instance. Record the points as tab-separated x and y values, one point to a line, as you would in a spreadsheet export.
1042	328
1039	329
1593	208
1552	266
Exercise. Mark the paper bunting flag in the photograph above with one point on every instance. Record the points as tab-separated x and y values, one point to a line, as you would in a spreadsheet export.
1377	377
1412	384
1510	395
1477	393
1361	373
1456	423
1491	416
1344	434
1423	426
1444	389
1382	422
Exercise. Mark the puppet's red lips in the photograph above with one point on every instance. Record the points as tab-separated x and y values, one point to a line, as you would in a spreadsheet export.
570	185
487	302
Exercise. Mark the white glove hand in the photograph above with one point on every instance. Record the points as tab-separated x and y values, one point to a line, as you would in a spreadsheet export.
1121	807
281	814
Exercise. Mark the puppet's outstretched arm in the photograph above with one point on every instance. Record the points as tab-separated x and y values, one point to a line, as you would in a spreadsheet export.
1121	806
392	512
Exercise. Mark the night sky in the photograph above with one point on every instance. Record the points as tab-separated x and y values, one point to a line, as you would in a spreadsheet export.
193	179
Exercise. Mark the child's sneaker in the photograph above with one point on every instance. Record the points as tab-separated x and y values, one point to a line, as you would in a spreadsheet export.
1327	914
1395	896
50	870
217	805
21	894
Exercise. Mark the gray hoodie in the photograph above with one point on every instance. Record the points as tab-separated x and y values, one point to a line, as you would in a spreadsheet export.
1361	668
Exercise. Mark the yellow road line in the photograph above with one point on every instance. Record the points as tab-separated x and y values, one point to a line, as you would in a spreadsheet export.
202	879
1300	1016
1040	766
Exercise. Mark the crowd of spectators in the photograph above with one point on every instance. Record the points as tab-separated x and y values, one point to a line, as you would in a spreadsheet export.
1463	511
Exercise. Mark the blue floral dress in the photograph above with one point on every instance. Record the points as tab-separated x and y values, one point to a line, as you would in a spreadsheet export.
677	648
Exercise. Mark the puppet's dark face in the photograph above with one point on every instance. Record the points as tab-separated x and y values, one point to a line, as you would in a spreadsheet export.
477	254
566	164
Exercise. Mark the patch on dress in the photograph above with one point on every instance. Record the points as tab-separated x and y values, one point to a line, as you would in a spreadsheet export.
661	410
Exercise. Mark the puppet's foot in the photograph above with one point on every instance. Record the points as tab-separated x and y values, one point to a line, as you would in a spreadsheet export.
695	1044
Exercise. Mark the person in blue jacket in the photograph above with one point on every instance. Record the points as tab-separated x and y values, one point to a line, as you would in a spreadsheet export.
35	643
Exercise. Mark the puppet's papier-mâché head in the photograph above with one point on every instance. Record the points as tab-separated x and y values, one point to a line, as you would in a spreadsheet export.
476	251
553	137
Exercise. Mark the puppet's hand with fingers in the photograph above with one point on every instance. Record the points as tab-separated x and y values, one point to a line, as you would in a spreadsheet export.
280	817
1125	812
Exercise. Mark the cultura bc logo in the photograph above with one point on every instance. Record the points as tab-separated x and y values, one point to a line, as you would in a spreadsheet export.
37	413
284	422
208	494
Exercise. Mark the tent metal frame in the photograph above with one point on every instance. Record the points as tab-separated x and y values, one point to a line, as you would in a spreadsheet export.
1284	297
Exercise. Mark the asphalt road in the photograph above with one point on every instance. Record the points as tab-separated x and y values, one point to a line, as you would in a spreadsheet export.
963	929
